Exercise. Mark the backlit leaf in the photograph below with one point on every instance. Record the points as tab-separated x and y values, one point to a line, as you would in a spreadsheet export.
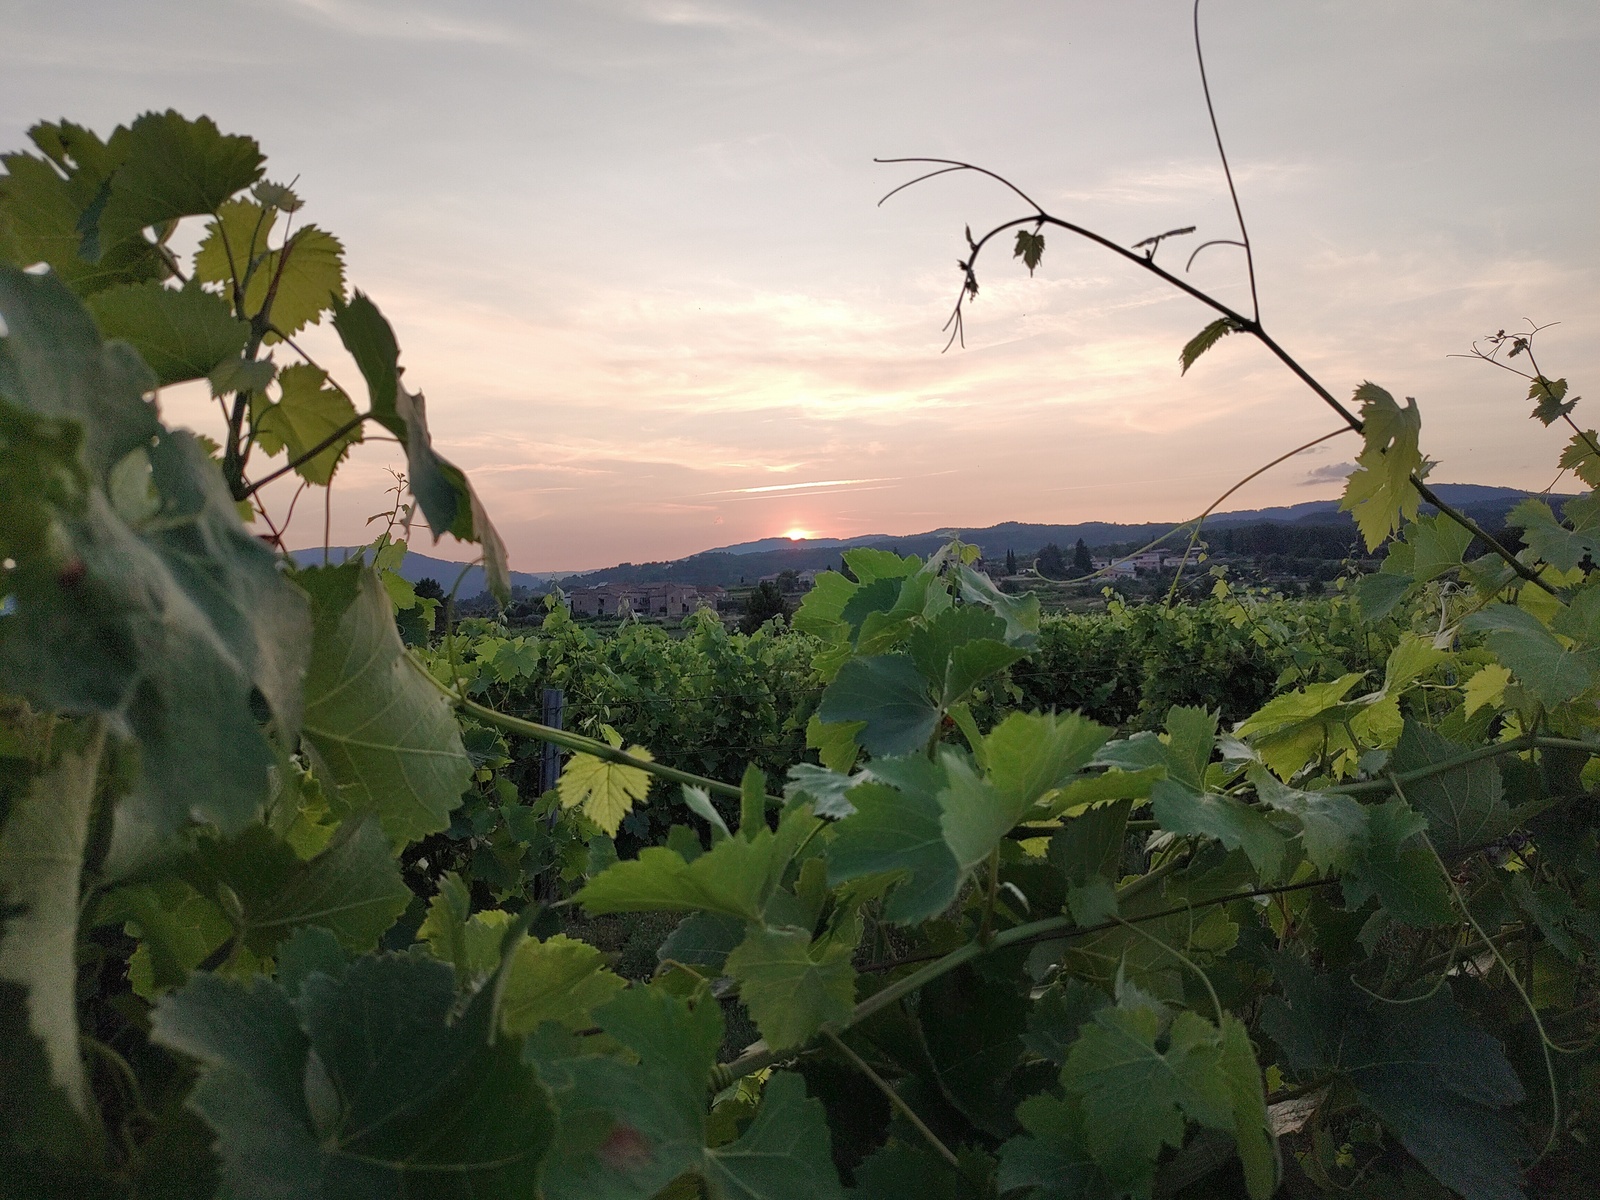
1379	494
607	791
1204	340
1029	248
558	979
306	414
1549	399
1582	457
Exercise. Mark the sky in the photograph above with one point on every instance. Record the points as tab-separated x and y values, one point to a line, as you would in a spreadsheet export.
635	259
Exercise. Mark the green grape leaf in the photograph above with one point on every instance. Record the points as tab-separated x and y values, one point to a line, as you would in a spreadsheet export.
1135	1096
1379	494
41	205
1020	613
1398	868
1181	809
1582	457
834	743
1058	1015
1053	1157
182	333
306	414
626	1130
172	167
1030	755
1099	788
1380	594
361	1085
1333	827
236	241
1549	400
53	363
353	888
41	862
606	791
1428	1075
734	878
890	696
558	979
784	1153
177	929
1252	1128
1552	541
1438	544
1204	340
1552	672
1289	731
870	565
702	941
959	649
1029	248
239	375
828	791
447	500
1466	806
386	740
470	943
163	615
296	283
1088	847
791	986
973	1028
1191	735
899	831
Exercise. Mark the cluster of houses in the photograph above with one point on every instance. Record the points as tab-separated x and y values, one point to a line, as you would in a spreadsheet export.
644	599
1150	560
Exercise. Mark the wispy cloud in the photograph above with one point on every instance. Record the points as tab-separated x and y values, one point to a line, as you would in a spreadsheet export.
789	487
1327	473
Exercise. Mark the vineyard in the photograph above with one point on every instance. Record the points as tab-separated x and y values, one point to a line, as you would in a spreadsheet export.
918	894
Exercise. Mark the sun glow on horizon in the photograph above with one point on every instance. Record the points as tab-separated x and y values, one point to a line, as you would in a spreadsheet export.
797	534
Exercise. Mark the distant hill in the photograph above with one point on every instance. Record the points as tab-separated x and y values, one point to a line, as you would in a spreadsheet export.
416	567
747	562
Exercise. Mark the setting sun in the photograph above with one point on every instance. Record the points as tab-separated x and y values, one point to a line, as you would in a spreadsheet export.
797	534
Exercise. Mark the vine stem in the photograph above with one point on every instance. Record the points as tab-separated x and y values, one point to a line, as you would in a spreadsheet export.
1047	929
343	431
1243	324
894	1098
1528	741
579	744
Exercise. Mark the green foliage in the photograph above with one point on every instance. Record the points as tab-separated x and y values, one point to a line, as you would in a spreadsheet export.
1379	493
1231	898
1204	340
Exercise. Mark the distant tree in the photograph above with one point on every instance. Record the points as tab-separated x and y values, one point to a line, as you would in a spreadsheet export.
765	603
1052	562
1080	558
1011	562
789	581
429	588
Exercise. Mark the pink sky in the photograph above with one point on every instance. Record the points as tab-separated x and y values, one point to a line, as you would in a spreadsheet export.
632	252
